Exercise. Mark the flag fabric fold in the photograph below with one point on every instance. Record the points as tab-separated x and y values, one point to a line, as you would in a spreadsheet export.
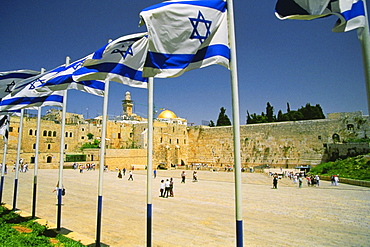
4	122
63	80
121	61
10	79
26	96
185	35
350	13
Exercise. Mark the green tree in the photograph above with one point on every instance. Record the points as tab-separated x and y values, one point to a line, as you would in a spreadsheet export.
223	119
270	113
90	136
211	124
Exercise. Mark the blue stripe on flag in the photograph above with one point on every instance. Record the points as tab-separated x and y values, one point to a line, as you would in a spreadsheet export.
93	84
113	68
180	61
16	75
217	5
32	100
358	9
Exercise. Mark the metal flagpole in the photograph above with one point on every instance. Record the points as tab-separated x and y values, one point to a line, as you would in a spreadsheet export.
61	158
4	161
17	161
101	163
150	162
36	162
236	125
364	37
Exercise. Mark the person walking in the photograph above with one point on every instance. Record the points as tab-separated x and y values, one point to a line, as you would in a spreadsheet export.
275	181
130	176
195	176
155	173
183	176
119	173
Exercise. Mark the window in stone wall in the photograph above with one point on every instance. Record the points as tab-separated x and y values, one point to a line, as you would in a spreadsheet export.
83	129
65	146
35	132
70	134
177	140
49	159
336	138
54	133
82	137
10	129
34	146
49	133
161	140
66	134
350	127
184	141
49	146
119	135
170	141
30	132
45	133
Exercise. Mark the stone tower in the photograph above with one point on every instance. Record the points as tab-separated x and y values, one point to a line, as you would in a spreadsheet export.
127	105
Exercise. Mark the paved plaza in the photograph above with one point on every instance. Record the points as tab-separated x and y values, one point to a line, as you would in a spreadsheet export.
201	213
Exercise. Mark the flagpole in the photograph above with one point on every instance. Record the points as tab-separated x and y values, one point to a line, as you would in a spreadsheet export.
17	161
36	162
236	125
364	37
149	162
4	161
61	154
101	163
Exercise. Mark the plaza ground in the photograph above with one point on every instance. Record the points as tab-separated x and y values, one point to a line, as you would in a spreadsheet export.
201	213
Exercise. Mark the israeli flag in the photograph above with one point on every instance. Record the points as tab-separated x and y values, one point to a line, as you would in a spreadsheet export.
26	96
4	126
185	35
350	13
62	80
9	79
121	61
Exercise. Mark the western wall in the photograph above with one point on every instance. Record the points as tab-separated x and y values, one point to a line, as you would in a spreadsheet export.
280	144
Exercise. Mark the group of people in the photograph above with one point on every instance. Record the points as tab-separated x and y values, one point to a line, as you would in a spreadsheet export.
183	176
166	188
298	178
123	172
334	180
82	167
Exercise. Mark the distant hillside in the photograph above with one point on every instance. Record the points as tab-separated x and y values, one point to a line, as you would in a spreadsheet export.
355	168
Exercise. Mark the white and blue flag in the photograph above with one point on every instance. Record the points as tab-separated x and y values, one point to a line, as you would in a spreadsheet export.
4	126
121	61
350	13
26	96
10	79
185	35
63	80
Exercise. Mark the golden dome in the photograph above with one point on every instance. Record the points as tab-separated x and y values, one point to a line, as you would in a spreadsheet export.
167	114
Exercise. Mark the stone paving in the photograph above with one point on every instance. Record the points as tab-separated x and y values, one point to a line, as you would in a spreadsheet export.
201	213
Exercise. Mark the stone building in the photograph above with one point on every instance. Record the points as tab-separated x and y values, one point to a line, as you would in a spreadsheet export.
282	144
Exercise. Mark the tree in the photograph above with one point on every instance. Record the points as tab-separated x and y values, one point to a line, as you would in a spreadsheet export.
223	119
211	124
270	113
90	136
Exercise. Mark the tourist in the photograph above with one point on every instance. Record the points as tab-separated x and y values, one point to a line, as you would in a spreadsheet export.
183	176
162	188
317	179
167	188
119	173
300	181
171	187
130	176
275	181
124	171
155	173
336	180
195	176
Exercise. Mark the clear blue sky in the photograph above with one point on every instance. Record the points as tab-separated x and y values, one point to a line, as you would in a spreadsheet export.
278	61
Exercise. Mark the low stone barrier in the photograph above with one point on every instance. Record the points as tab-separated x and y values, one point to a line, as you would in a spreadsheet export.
349	181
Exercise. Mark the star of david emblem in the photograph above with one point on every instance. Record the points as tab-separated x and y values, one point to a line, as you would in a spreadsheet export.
124	53
32	84
9	87
200	32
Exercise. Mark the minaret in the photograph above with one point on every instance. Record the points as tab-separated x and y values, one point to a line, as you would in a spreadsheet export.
127	105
